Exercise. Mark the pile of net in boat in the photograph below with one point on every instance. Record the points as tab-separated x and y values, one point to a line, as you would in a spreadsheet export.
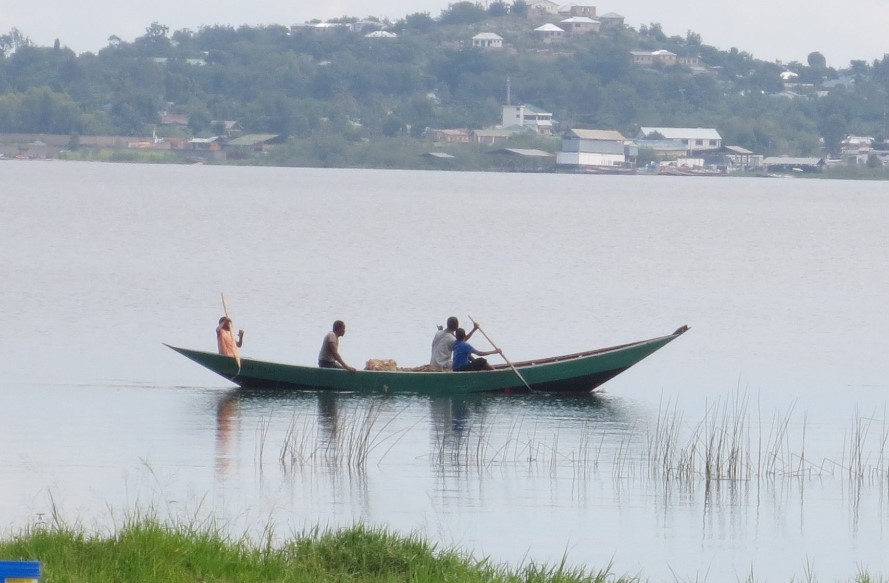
387	364
381	364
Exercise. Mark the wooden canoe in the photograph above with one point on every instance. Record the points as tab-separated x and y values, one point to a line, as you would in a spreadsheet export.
572	373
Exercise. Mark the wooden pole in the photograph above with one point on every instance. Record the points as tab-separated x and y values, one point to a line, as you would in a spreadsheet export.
511	365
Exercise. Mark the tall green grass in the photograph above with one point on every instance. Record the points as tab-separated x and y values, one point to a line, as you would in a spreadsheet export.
147	550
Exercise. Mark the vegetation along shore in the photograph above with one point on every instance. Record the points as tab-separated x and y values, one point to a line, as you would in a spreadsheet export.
146	549
504	86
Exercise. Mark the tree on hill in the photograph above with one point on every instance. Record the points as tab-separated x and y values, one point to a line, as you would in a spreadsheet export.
816	60
419	22
12	41
498	8
461	13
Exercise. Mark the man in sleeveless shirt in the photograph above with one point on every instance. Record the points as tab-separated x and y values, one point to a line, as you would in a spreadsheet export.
329	357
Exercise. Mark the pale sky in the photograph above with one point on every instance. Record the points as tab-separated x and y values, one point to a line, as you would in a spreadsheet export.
786	30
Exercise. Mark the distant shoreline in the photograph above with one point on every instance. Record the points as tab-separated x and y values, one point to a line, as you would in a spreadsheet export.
394	154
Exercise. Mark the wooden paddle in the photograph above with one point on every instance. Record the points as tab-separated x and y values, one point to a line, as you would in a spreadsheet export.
235	342
511	365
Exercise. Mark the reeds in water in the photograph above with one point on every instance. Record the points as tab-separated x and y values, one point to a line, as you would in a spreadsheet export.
343	441
730	443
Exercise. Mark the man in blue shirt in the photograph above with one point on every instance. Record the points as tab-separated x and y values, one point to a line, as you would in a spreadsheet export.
463	351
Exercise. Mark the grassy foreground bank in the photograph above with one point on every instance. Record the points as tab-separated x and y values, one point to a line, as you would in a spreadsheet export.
148	550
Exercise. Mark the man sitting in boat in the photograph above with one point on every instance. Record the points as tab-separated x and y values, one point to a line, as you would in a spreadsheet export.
329	357
225	340
443	344
463	351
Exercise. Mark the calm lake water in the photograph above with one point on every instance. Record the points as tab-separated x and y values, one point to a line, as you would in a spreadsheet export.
782	378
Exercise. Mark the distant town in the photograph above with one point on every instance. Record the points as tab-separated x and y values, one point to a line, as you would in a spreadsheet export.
506	47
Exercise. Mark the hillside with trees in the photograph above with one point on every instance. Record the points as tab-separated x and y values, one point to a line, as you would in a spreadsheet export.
323	92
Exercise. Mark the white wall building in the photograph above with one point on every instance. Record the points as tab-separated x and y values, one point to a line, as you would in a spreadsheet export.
694	139
487	40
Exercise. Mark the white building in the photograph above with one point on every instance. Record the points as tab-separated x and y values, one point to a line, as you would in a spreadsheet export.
487	40
694	139
584	149
549	32
528	116
580	25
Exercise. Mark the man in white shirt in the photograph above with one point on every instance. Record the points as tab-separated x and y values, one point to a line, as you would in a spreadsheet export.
329	357
443	344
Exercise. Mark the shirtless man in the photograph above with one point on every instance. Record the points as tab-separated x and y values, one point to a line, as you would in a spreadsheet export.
225	340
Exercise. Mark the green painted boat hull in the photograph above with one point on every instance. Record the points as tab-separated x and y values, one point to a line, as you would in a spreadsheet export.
573	373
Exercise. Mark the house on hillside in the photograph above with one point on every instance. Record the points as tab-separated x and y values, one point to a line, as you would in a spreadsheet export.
611	20
651	58
549	33
589	150
578	10
662	57
487	40
580	25
694	139
542	8
528	116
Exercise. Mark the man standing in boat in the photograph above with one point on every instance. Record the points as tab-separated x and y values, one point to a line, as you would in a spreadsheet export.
443	344
225	339
463	351
329	357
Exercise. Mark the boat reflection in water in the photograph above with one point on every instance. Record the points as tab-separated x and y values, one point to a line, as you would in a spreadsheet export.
348	432
227	430
483	431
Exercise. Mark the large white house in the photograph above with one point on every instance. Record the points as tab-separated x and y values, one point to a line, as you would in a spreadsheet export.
584	149
694	139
